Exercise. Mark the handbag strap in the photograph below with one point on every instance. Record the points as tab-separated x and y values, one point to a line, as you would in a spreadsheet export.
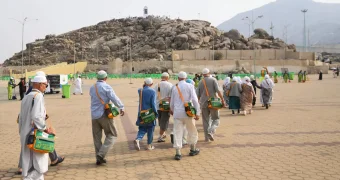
180	94
101	100
206	89
159	91
232	85
140	99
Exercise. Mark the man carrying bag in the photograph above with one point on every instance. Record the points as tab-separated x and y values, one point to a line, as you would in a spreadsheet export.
207	90
147	114
101	94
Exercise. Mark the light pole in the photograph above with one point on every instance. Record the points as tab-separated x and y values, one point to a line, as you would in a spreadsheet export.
249	24
22	41
272	28
131	62
304	11
74	59
252	20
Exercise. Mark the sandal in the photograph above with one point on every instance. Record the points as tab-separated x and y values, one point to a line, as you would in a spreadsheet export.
60	160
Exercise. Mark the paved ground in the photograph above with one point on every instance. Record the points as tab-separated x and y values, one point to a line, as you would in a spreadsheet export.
297	138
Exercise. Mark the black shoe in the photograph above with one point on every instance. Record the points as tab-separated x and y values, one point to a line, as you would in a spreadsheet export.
101	160
267	106
178	157
194	152
172	138
232	111
98	163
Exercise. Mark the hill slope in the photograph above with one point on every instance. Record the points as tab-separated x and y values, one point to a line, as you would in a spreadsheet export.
322	20
151	38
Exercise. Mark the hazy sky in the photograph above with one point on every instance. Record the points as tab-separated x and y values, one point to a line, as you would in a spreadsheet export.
60	16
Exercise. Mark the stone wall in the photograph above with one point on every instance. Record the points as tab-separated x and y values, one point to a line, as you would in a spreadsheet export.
263	54
222	66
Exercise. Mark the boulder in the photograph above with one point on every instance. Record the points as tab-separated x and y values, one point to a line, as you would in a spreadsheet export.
261	33
233	34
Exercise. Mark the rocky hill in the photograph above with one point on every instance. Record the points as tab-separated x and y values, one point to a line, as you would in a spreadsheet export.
322	21
151	38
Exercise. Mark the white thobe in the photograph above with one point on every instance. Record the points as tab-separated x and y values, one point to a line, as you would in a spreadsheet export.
165	91
34	164
78	84
181	120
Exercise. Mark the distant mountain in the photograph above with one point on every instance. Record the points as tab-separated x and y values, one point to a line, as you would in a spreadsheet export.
322	20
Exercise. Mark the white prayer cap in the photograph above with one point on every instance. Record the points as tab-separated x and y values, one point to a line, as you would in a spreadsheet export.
12	77
40	73
266	76
148	81
246	78
165	74
39	79
182	74
205	71
252	77
79	75
235	79
101	74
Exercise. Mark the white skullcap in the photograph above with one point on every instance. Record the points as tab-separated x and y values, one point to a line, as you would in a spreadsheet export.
165	74
246	78
266	76
39	79
235	79
101	74
148	81
205	71
182	74
210	75
252	77
40	73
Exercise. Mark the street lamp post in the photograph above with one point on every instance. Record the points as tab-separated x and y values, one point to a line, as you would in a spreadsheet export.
252	20
22	42
304	11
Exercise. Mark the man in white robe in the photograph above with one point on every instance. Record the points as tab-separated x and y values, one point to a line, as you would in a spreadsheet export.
34	164
78	88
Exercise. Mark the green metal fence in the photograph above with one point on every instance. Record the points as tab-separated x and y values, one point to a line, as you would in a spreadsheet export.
143	76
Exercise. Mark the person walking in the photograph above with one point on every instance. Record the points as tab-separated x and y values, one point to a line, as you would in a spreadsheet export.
163	90
78	83
33	113
10	86
183	94
225	84
267	90
101	94
234	92
207	88
147	114
247	96
255	85
22	88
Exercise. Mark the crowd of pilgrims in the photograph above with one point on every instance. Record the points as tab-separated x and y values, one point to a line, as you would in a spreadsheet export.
240	94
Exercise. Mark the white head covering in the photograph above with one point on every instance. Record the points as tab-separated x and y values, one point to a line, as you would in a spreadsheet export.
267	82
239	80
182	74
40	73
247	81
235	79
252	77
226	81
165	74
205	71
101	74
148	81
39	79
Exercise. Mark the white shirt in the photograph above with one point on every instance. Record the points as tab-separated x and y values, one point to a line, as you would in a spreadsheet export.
189	95
165	91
